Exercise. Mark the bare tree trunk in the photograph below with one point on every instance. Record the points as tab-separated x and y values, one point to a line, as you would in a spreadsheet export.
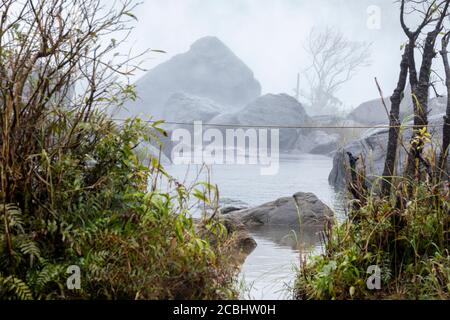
420	94
445	144
443	169
394	123
420	86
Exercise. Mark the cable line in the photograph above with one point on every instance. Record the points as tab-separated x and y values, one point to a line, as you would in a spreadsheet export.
235	125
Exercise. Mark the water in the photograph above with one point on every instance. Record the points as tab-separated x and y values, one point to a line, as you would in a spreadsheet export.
269	271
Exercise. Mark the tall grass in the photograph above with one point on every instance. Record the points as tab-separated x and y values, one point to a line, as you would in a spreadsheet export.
406	236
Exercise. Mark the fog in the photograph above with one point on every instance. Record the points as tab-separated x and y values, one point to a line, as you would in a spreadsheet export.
269	36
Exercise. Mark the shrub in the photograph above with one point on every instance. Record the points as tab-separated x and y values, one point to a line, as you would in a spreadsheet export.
73	191
409	244
128	242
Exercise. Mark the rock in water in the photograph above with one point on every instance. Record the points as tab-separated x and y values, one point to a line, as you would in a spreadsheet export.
271	110
209	69
239	242
372	146
274	109
228	205
300	209
244	244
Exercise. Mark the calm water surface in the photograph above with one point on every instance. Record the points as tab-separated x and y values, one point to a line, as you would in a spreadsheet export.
268	273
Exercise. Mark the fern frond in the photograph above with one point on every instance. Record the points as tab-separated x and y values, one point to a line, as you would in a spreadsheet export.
14	288
13	216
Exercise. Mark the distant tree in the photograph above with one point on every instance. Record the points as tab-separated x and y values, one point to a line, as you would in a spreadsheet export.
334	60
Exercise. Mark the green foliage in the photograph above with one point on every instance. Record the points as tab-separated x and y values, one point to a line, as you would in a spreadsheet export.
73	190
410	244
90	206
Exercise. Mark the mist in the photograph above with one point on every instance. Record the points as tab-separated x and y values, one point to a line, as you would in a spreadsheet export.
269	36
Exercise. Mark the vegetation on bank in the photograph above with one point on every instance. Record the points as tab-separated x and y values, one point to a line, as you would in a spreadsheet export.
401	224
409	243
73	188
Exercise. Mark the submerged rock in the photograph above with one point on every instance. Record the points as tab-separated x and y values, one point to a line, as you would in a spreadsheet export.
228	205
305	240
300	209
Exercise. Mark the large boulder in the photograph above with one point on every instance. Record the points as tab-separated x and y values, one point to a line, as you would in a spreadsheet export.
268	111
271	110
373	112
299	210
185	108
334	131
181	110
209	69
372	147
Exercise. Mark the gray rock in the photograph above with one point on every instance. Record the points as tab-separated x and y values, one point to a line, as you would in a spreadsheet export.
373	112
324	143
325	149
185	108
209	69
271	110
274	109
284	212
372	147
228	205
437	106
244	244
239	241
324	120
334	130
182	107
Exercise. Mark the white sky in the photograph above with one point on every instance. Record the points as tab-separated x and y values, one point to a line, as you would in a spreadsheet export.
268	35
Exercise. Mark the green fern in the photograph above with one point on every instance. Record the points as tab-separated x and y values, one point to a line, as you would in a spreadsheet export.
28	247
14	288
12	216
